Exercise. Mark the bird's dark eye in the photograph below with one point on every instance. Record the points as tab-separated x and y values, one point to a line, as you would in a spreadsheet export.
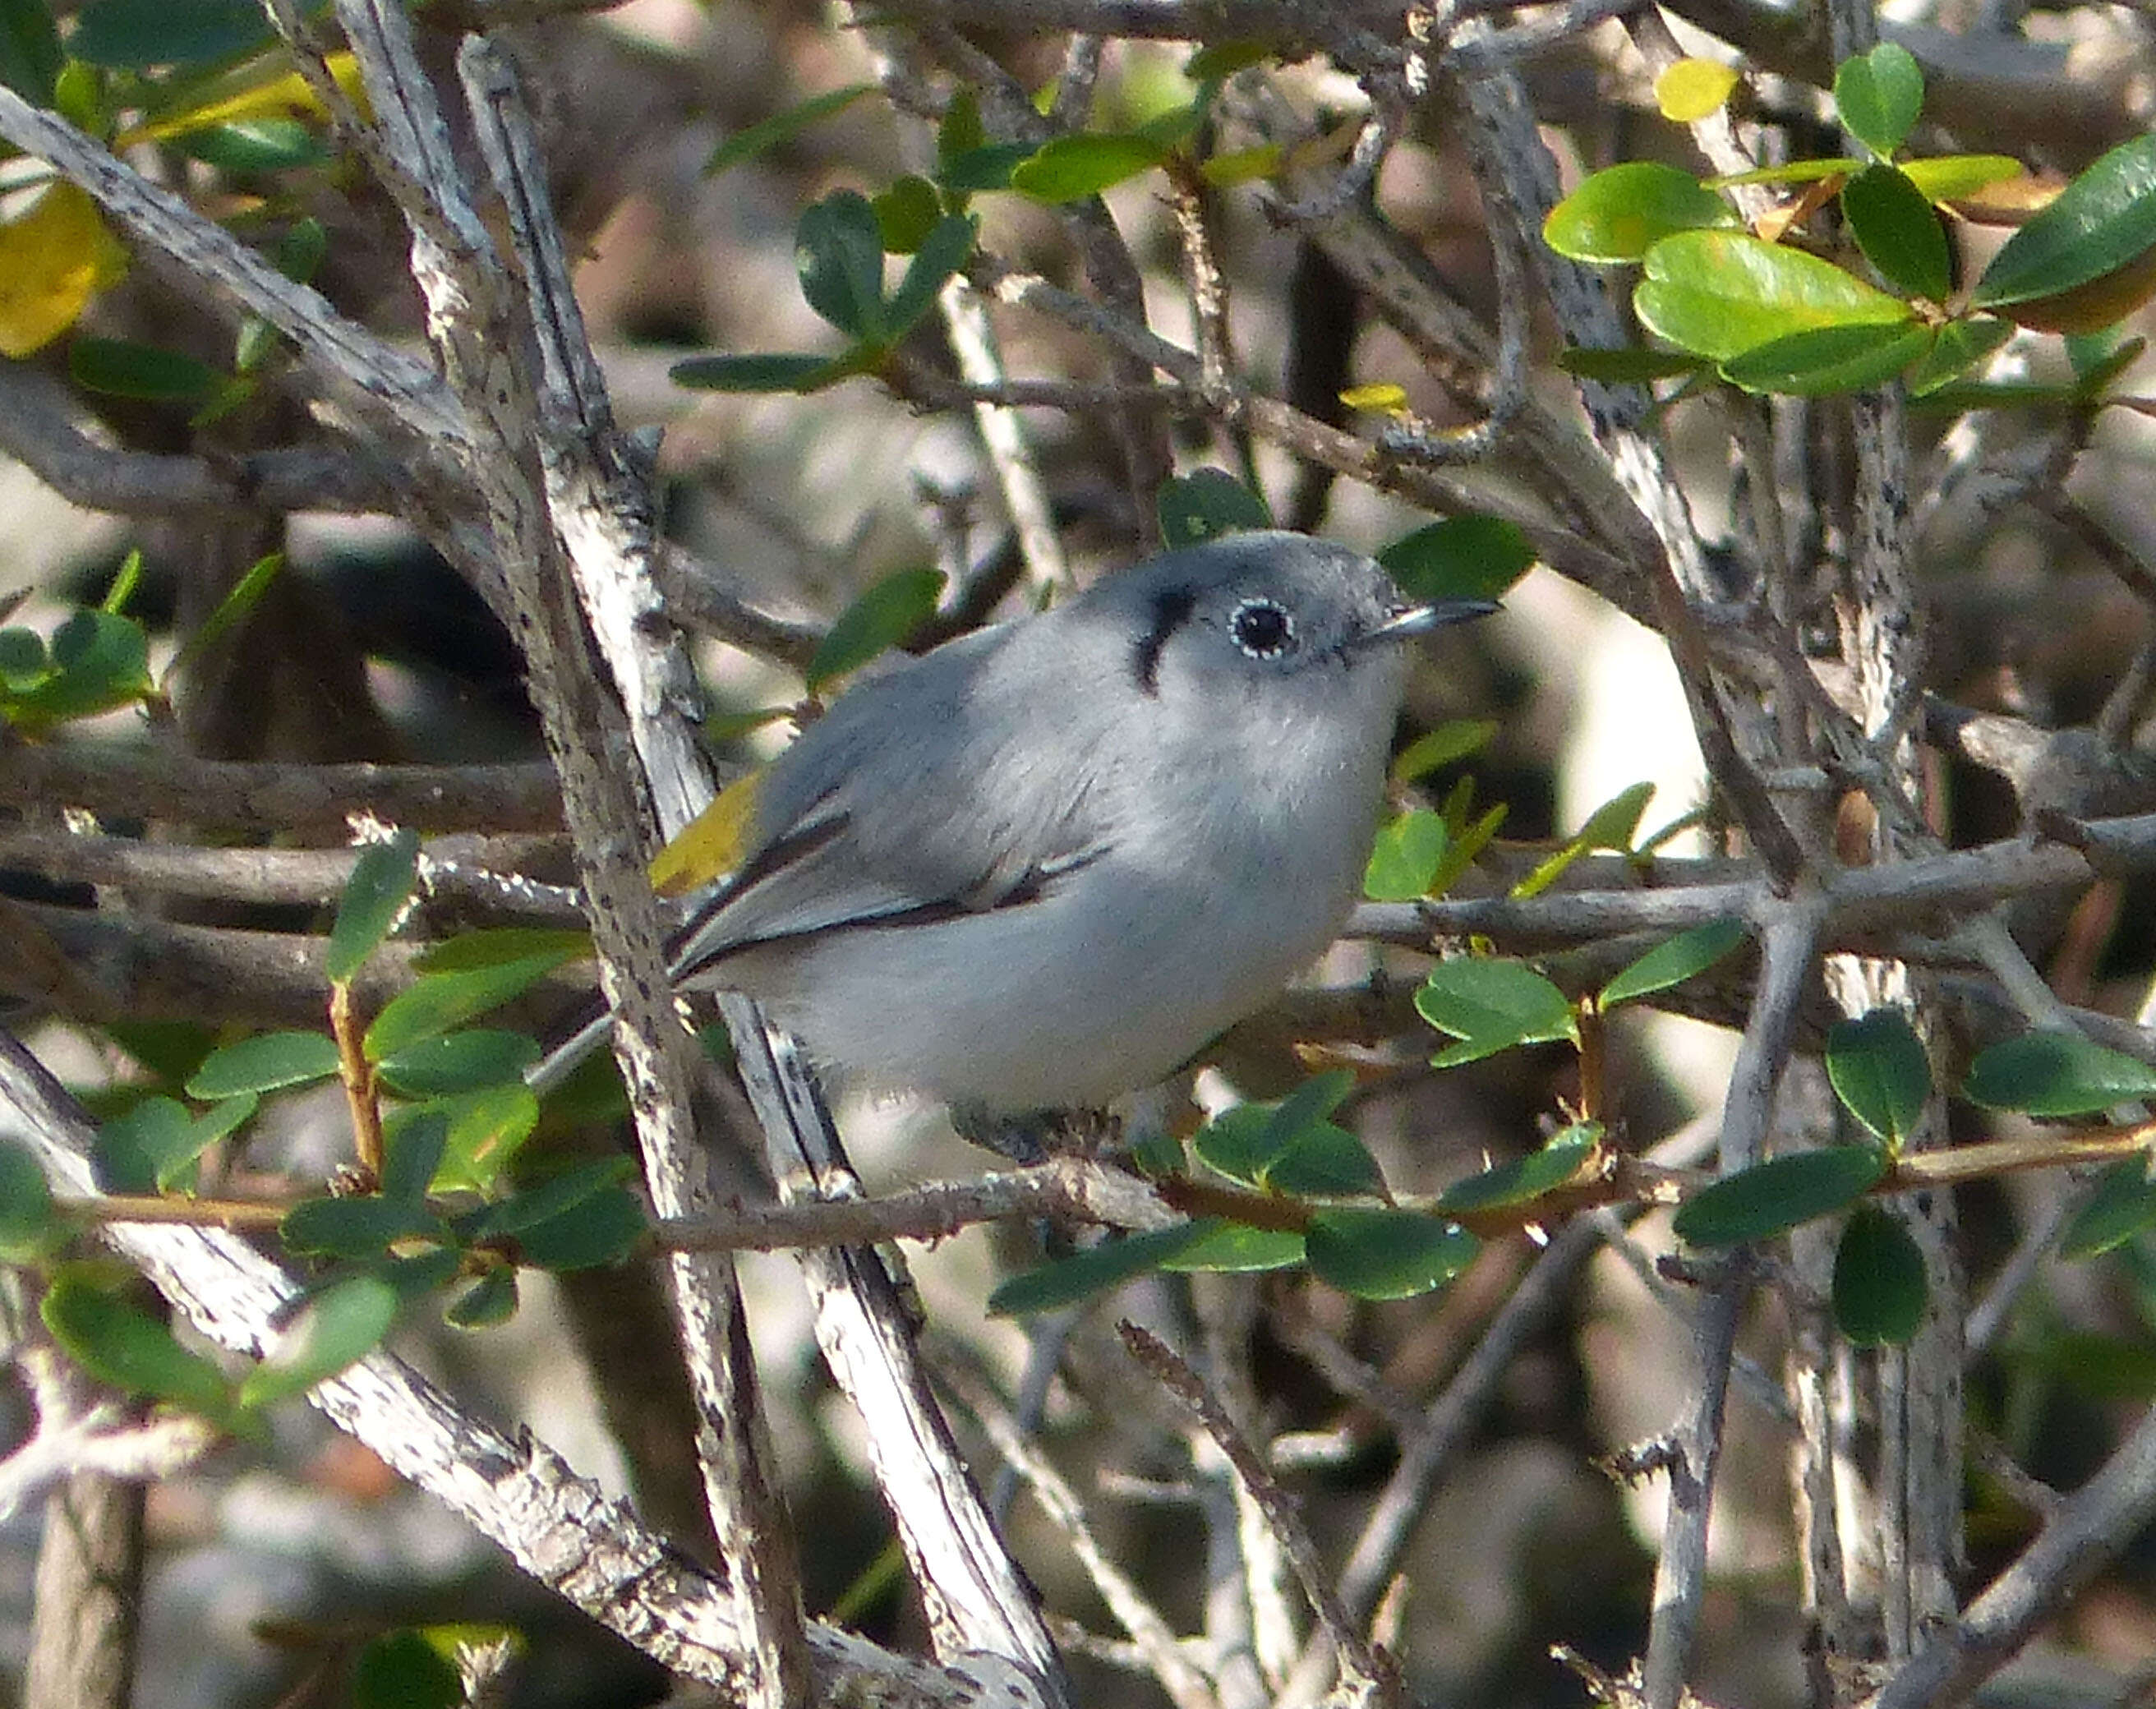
1262	629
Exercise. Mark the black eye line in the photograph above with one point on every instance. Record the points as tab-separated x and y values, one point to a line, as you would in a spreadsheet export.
1171	610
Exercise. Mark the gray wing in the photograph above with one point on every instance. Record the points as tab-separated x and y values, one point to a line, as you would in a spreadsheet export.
921	794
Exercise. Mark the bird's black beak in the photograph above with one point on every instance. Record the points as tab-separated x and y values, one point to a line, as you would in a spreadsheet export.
1421	619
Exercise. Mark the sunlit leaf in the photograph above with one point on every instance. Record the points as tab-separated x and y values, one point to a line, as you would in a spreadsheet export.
1688	90
55	255
1878	95
1620	212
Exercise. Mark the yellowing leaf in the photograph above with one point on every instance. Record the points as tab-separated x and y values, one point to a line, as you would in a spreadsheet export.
257	91
711	844
1382	397
54	258
1693	90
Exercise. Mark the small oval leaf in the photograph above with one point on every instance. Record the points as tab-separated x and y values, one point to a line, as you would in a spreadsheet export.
1620	212
1461	558
2102	222
1558	1164
1490	1006
837	251
1878	1068
335	1329
382	882
1899	234
1405	857
1068	1280
1690	90
1827	362
1673	963
884	616
2056	1073
1772	1197
1879	95
1205	504
119	1343
1065	168
1879	1288
1386	1255
268	1062
31	1225
1722	293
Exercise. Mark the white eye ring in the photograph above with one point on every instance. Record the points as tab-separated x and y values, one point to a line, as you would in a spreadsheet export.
1262	629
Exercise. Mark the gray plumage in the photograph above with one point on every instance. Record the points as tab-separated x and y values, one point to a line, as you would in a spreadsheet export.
1041	865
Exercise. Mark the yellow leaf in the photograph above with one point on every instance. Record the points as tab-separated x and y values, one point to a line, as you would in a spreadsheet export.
1381	398
1693	90
1239	166
710	845
259	91
54	256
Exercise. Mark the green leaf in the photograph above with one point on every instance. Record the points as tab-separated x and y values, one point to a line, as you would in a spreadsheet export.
250	147
1895	227
988	167
459	1062
1629	366
30	52
403	1670
1878	1068
335	1329
1828	361
2056	1073
1674	961
1879	1288
1235	1248
1616	822
357	1227
134	35
1405	857
906	212
438	1002
1324	1162
31	1226
883	616
1461	558
1776	1195
602	1230
1455	739
1794	172
383	880
1065	169
1948	178
1879	96
1960	345
764	371
2104	219
1204	504
837	251
1559	1163
1618	213
745	145
1098	1269
153	1146
1386	1255
301	250
135	1148
545	1200
412	1145
2122	1205
941	255
99	661
246	593
500	946
487	1128
1223	60
268	1062
1491	1006
962	132
121	1344
24	663
1239	1142
1722	293
488	1302
120	367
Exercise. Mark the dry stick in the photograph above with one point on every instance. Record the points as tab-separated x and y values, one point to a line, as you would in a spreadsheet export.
979	1605
1364	1673
513	1489
2085	1533
1152	1637
476	327
1789	948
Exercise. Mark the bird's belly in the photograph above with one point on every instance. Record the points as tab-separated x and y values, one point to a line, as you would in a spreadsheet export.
1067	1002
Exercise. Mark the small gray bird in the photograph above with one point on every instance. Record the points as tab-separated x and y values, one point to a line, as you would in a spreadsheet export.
1043	864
